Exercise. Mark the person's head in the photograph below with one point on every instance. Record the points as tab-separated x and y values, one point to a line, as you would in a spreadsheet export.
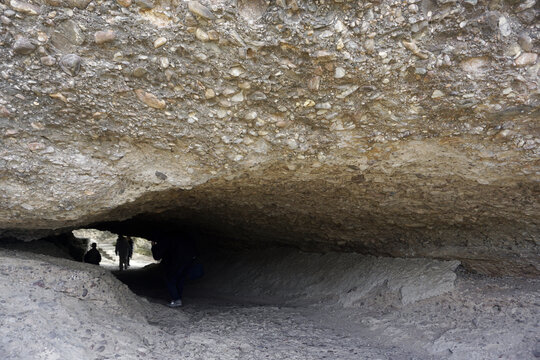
93	245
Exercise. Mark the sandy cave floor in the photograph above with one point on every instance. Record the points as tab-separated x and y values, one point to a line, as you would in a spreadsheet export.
53	308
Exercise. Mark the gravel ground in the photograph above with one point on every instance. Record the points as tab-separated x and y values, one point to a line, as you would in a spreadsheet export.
52	308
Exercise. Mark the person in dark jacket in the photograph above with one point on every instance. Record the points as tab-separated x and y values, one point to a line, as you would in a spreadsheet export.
122	250
130	251
176	255
92	256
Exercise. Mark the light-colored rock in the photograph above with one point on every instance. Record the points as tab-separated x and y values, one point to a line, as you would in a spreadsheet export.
150	99
104	36
24	7
159	42
526	59
200	10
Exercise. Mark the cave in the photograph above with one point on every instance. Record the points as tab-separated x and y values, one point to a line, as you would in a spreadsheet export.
361	177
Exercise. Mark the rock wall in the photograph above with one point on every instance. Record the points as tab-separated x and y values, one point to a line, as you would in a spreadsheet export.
385	127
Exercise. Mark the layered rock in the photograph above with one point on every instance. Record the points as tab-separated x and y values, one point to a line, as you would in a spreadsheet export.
390	128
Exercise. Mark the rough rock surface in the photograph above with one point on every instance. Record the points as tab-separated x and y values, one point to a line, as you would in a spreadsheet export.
388	127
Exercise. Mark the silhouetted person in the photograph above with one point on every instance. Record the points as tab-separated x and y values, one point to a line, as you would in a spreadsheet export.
92	256
130	249
122	250
176	254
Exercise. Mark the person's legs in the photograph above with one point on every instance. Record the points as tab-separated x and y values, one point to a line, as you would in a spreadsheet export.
175	284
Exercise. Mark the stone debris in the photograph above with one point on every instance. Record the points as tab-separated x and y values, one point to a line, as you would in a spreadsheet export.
104	36
23	46
526	59
159	42
24	7
150	99
70	64
200	10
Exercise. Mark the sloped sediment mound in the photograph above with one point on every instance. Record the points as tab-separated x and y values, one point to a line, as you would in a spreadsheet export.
290	276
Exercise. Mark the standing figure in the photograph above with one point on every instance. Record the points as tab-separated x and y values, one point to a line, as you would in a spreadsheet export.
130	252
92	256
176	255
122	250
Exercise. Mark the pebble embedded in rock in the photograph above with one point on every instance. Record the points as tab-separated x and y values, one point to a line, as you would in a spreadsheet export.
209	94
437	94
339	73
104	36
80	4
71	64
525	41
369	46
200	10
124	3
48	60
159	42
201	35
150	99
24	7
504	27
139	72
526	59
145	4
23	46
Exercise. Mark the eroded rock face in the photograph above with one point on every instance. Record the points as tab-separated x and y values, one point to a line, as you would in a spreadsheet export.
392	128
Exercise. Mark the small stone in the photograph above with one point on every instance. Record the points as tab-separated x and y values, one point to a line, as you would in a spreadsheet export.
161	176
58	96
411	45
309	103
102	37
257	96
124	3
23	46
80	4
5	20
68	32
525	41
292	144
139	72
339	73
471	2
209	94
150	99
160	42
145	4
201	35
238	97
24	7
244	85
340	45
504	27
164	62
4	112
369	46
314	83
213	35
35	146
251	115
526	59
71	64
437	94
236	71
200	10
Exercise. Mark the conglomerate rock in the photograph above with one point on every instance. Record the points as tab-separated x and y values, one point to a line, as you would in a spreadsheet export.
401	128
